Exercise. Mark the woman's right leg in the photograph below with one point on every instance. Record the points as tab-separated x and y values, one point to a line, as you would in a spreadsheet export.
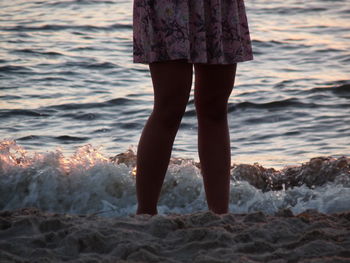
172	82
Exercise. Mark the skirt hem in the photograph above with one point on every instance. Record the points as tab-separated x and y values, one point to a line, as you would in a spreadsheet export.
239	60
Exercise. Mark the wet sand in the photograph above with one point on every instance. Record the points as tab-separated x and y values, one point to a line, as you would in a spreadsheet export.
30	235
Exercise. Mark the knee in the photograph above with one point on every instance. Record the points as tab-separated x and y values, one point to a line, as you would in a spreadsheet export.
211	111
169	117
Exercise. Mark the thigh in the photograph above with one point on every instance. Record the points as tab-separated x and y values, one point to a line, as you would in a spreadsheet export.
214	83
172	81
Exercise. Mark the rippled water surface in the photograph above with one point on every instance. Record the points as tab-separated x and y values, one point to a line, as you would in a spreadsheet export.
67	80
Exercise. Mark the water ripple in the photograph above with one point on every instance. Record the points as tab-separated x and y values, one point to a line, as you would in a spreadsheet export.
64	27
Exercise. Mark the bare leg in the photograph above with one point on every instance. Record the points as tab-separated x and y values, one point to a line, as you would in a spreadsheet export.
172	82
213	86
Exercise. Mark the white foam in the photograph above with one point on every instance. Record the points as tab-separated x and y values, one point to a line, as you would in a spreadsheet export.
88	182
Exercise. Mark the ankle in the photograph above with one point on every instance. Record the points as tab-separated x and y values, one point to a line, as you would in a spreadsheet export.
147	211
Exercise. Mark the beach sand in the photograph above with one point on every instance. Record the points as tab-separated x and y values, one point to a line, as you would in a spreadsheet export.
30	235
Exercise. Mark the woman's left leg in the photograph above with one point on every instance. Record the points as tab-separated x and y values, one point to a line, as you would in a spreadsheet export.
213	86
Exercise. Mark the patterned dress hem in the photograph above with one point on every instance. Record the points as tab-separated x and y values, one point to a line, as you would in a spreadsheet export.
238	60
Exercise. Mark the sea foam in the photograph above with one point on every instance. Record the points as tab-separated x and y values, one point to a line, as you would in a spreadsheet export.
90	183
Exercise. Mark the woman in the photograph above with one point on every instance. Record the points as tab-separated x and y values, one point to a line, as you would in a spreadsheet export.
173	37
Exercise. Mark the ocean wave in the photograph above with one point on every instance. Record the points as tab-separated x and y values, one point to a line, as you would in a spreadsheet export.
108	103
22	112
36	52
8	69
286	103
63	27
341	90
89	182
58	138
78	2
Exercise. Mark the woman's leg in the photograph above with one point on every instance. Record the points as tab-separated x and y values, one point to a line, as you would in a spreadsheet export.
172	82
213	86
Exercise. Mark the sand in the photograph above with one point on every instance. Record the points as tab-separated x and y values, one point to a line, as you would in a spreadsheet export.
31	235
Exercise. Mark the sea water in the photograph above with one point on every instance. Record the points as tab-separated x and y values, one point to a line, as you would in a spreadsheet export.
68	85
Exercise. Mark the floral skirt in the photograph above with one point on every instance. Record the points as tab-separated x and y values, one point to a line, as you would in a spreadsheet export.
201	31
